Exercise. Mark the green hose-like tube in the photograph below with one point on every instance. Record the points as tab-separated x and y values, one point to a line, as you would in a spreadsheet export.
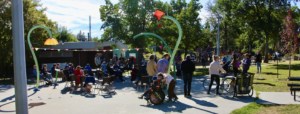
155	36
178	40
32	51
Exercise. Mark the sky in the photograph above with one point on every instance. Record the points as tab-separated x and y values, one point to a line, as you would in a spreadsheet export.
74	14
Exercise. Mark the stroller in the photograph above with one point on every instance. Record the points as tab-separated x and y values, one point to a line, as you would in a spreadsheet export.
244	84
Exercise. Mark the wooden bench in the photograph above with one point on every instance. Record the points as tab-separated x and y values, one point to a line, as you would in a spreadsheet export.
294	90
293	85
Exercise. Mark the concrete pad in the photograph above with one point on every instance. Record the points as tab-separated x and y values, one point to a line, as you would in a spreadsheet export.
277	98
58	100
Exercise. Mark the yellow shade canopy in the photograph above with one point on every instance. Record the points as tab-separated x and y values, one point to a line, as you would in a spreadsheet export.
51	41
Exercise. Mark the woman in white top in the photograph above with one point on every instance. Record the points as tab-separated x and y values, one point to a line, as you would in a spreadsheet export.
171	84
214	70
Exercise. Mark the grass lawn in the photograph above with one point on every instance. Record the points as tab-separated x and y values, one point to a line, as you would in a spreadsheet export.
254	108
269	73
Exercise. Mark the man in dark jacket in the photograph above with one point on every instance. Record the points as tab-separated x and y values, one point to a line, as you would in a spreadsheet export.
187	68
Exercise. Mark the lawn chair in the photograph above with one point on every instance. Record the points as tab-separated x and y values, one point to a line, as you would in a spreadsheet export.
145	81
105	85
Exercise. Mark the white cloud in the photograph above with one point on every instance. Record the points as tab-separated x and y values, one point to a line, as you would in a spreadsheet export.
74	14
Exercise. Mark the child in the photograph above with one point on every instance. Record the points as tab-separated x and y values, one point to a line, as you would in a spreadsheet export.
155	86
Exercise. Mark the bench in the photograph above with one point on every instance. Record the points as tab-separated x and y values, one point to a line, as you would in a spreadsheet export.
293	85
294	90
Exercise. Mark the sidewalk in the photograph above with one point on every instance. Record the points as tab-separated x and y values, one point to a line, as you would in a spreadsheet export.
277	98
56	101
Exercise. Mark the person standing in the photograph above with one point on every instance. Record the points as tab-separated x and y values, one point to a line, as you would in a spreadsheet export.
163	64
258	60
151	66
246	63
235	65
98	59
214	70
187	68
169	80
178	61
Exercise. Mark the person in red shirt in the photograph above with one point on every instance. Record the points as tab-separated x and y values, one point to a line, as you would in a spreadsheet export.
78	76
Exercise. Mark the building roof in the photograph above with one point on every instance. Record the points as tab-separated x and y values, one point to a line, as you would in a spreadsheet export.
89	45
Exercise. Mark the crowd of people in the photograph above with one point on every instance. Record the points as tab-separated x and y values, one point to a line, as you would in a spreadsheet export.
157	70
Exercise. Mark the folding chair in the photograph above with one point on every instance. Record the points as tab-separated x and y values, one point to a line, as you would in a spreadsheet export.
145	81
106	85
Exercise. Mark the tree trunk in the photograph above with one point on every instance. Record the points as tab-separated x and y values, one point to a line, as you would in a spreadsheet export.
290	62
266	59
185	52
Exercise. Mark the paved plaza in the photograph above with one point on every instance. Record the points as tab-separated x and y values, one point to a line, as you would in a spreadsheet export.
50	100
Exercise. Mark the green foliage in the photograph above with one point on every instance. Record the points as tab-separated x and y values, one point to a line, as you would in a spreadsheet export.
250	23
64	35
130	17
33	15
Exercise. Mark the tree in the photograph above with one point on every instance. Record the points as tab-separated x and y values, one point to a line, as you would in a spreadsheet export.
289	37
251	22
33	15
190	22
64	35
81	36
130	17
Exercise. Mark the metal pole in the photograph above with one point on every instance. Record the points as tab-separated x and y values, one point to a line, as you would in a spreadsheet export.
90	26
19	57
218	37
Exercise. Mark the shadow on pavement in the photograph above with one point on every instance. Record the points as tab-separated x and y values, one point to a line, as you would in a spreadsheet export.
203	102
13	102
175	107
4	88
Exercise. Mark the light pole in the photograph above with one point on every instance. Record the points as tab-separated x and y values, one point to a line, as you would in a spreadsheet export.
49	41
218	35
19	57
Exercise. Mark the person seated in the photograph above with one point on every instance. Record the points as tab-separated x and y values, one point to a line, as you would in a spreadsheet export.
104	68
156	86
135	74
67	75
34	73
78	76
53	71
118	71
88	68
46	75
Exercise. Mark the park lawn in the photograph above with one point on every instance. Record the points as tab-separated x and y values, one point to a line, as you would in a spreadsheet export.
254	108
269	73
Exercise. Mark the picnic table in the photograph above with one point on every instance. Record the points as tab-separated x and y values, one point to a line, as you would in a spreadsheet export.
294	86
294	78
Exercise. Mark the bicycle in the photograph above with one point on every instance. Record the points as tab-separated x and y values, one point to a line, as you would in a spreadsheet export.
226	86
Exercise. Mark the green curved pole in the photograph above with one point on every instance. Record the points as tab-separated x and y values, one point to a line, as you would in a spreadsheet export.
32	51
178	40
155	36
